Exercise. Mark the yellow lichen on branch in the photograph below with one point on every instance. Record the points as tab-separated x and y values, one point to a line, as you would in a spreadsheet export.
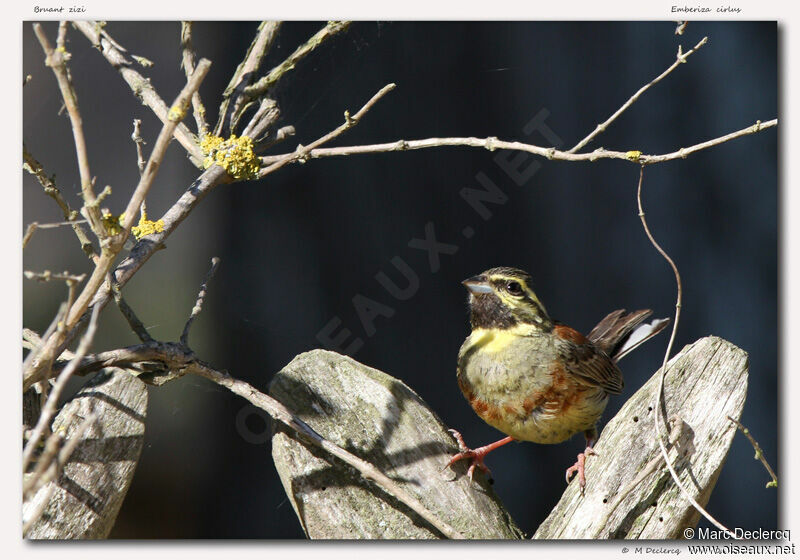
146	227
235	155
112	223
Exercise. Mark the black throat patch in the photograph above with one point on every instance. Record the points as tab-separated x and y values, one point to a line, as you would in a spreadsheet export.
488	312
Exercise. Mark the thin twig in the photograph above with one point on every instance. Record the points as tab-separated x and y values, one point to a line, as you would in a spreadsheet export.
33	355
61	40
282	134
198	306
274	75
138	141
684	152
54	225
130	316
46	276
188	61
680	59
57	60
492	144
49	409
349	122
660	404
29	233
759	453
141	86
266	115
233	98
35	168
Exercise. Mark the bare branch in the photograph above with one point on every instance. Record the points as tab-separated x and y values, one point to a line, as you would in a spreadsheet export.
33	356
234	97
133	321
29	231
138	141
684	152
177	113
140	85
274	75
302	151
492	144
57	60
36	369
198	109
282	414
46	276
198	306
681	58
264	118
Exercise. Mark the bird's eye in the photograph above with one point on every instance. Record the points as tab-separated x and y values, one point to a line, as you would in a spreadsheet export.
514	288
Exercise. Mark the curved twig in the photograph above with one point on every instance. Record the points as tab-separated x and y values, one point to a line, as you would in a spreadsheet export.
660	405
759	453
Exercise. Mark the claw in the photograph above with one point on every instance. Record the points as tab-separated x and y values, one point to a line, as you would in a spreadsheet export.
579	467
476	455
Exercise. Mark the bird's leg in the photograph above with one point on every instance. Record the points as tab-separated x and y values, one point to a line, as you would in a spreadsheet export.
591	438
476	455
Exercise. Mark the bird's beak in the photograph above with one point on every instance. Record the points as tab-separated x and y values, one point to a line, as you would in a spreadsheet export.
477	285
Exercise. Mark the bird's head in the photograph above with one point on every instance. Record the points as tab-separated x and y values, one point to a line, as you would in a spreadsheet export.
502	298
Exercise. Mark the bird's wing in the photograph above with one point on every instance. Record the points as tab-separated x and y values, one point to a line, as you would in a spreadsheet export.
586	362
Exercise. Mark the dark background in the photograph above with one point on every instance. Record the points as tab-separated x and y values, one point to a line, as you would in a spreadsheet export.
298	246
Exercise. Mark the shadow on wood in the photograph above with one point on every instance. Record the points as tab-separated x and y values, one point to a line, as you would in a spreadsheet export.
89	492
629	494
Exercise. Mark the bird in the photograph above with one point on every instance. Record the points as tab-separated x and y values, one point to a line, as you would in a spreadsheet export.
536	379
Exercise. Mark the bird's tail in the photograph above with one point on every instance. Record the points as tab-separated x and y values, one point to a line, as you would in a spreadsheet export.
620	333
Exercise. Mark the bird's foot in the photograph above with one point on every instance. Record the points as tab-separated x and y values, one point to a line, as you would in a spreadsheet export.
476	456
578	467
